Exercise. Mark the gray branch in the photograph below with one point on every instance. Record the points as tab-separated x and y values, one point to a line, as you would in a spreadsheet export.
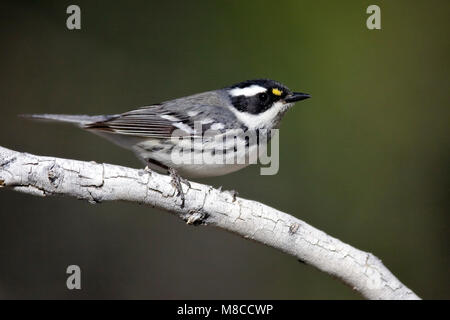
205	205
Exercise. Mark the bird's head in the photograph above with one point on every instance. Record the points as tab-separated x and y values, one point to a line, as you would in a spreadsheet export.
262	102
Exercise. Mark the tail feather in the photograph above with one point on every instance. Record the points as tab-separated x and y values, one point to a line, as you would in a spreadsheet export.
77	119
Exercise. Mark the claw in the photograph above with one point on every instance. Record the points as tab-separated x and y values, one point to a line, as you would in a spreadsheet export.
147	169
234	194
176	182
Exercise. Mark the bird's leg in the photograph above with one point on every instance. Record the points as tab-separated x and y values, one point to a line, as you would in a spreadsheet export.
176	182
233	193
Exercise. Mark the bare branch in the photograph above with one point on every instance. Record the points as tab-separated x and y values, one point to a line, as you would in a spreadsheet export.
48	176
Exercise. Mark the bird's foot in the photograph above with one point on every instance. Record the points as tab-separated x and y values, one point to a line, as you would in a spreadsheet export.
234	194
147	169
176	182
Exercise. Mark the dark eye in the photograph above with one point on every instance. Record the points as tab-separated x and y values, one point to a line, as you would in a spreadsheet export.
263	97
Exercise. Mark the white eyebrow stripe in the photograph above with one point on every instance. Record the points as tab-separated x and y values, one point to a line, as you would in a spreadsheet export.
248	91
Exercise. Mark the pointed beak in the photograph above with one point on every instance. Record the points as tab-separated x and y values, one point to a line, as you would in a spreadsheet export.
296	96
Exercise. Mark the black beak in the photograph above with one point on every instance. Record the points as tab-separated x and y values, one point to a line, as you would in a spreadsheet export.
296	96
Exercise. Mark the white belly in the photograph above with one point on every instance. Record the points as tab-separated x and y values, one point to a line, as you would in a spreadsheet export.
195	164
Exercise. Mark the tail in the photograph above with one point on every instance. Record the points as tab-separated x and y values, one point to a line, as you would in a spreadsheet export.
80	120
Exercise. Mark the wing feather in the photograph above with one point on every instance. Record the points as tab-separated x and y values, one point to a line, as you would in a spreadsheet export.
148	122
159	121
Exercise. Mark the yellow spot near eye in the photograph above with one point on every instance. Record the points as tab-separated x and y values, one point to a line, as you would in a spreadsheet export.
277	92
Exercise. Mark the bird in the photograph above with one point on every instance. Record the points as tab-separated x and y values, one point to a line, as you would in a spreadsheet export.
199	124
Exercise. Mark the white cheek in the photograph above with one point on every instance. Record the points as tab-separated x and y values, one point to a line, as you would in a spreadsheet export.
266	119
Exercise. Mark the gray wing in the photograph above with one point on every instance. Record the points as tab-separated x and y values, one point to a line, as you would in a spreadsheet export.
190	116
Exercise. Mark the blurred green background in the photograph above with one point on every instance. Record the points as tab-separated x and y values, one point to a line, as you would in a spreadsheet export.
366	159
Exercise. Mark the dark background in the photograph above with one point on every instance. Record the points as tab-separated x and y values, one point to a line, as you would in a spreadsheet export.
366	159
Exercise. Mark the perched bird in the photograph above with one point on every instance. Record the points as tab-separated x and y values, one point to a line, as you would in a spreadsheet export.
155	132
